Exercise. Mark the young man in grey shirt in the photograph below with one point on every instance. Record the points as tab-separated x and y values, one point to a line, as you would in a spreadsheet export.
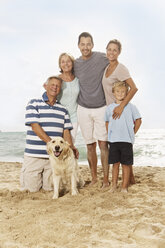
89	68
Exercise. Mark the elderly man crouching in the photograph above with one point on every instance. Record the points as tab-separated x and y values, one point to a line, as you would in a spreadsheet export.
45	118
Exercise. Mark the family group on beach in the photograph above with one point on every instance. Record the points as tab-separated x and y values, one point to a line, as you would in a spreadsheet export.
94	92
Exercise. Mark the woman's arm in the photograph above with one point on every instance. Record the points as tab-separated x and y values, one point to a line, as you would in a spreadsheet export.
133	89
106	125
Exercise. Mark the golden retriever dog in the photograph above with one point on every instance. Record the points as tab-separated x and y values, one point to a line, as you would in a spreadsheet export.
64	165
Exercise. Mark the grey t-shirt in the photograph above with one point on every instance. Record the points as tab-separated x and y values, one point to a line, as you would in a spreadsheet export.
90	73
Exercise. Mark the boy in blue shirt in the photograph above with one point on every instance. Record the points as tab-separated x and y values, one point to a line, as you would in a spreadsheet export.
121	135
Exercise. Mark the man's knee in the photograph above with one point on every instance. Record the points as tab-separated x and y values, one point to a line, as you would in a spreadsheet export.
47	180
91	147
35	174
103	145
30	181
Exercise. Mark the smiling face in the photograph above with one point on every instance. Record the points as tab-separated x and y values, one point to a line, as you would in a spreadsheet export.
112	52
53	88
65	63
58	148
85	45
120	93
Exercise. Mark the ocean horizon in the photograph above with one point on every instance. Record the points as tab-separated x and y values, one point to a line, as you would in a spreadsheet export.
149	147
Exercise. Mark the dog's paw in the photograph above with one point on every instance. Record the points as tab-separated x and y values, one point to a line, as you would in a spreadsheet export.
75	192
81	183
55	196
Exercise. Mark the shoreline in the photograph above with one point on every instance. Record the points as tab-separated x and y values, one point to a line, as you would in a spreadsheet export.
82	163
94	218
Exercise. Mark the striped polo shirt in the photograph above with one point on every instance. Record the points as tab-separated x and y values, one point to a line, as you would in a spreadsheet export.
53	119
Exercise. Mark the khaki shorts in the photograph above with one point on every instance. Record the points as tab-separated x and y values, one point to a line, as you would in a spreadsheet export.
92	124
36	173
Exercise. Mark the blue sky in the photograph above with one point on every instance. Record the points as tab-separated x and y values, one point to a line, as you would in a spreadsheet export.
33	33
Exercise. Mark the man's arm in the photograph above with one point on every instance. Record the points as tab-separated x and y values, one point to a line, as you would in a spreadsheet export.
67	136
40	132
137	124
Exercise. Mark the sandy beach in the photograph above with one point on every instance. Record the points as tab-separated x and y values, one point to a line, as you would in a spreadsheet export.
95	218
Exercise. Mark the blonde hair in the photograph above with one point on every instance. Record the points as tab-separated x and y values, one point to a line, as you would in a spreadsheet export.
70	57
117	42
120	84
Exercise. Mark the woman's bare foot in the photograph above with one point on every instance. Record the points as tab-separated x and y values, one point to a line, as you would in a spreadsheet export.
132	181
124	190
93	182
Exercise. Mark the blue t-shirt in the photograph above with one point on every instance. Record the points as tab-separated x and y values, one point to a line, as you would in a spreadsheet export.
122	129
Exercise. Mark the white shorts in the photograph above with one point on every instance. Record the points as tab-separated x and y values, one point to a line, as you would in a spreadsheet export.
92	124
36	173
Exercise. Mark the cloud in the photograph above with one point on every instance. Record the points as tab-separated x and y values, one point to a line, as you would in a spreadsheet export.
35	33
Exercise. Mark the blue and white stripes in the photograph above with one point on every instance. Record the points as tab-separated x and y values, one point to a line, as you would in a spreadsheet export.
53	119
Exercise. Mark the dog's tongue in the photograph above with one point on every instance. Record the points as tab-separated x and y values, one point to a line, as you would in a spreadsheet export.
57	154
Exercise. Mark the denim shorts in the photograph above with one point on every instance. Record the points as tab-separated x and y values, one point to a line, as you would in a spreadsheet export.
121	152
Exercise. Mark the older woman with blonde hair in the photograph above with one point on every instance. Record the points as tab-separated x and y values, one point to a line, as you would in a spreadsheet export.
69	90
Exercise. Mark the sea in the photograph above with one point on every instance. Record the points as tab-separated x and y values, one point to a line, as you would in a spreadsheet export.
149	147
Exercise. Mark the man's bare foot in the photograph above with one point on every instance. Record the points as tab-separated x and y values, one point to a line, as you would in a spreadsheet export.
105	185
113	189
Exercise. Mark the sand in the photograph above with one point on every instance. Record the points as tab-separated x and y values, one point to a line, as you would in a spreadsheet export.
95	218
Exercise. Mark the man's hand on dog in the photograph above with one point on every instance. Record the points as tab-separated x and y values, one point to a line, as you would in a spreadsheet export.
76	152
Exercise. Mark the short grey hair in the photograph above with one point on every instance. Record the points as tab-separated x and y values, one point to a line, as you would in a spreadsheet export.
53	77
